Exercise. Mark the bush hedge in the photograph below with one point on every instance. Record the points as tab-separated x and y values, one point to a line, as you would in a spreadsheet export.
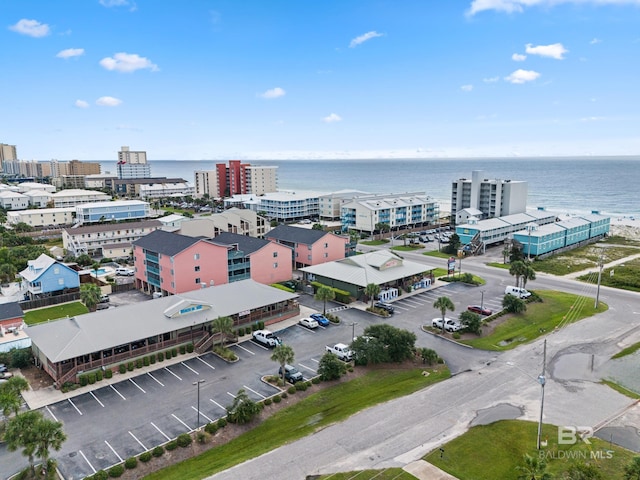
184	440
157	451
211	428
183	349
138	363
130	463
108	373
145	457
190	348
222	422
116	471
172	445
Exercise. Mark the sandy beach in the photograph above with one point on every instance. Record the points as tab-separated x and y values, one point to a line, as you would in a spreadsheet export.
627	227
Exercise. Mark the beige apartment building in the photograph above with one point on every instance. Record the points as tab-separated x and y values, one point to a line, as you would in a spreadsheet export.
43	217
233	220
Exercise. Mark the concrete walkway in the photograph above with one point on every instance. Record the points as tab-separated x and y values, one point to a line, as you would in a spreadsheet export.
425	471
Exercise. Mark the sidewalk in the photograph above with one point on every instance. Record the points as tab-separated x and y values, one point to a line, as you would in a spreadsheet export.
607	265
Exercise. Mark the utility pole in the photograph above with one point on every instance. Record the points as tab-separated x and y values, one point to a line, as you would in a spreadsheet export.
542	380
600	265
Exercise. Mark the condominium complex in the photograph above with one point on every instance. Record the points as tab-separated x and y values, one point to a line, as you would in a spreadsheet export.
235	178
398	211
487	198
132	164
7	153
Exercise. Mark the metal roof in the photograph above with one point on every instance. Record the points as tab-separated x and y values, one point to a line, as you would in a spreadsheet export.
68	338
107	227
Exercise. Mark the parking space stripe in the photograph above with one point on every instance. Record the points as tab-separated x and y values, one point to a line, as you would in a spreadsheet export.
114	389
96	398
116	453
305	329
401	307
167	369
216	403
256	344
201	413
136	439
161	432
139	387
249	351
314	360
308	368
88	462
257	393
52	415
194	371
231	394
187	426
208	365
74	406
159	382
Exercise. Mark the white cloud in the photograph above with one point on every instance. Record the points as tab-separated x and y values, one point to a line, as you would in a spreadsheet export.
32	28
331	118
108	101
81	104
491	79
128	62
114	3
70	52
466	88
594	41
522	76
273	93
363	38
592	119
555	50
518	6
518	57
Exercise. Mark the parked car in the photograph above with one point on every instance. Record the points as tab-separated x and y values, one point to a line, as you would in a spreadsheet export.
291	374
308	322
480	310
127	272
321	319
267	338
517	292
3	368
104	298
450	325
384	306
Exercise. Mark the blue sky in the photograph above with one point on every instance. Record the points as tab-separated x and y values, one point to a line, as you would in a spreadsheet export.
257	79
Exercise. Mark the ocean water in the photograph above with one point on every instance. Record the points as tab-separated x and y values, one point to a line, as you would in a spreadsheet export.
610	185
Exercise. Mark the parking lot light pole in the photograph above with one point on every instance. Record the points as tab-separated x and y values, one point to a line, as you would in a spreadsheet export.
482	299
353	330
198	407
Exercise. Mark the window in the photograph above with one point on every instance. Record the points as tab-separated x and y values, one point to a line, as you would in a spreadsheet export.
275	265
173	285
275	254
61	281
196	256
197	268
326	255
309	257
197	281
326	245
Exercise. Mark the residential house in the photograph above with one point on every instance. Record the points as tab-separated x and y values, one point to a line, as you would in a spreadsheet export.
309	246
11	317
45	276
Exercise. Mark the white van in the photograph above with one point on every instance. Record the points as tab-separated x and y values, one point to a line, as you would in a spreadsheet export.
517	292
125	271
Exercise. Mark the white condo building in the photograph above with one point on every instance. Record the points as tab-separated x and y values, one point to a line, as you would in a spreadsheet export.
43	217
399	211
73	197
487	198
133	164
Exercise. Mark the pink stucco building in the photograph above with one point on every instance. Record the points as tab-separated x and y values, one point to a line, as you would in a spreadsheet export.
170	263
310	247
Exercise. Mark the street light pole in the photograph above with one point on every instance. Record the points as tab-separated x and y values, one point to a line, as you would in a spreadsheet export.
542	380
600	265
353	330
482	299
198	384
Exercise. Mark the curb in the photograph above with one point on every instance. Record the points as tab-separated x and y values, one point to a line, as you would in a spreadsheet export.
445	338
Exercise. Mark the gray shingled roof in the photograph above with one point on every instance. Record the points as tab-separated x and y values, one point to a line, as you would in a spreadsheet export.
246	244
10	310
286	233
68	338
166	243
106	227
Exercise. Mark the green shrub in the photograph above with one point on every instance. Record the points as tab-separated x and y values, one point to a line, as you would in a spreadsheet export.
100	475
183	349
168	355
84	380
145	361
130	366
91	378
254	327
308	383
152	359
138	363
108	373
211	428
184	440
130	463
315	380
160	356
99	375
145	457
291	390
190	348
301	386
268	401
157	451
284	395
172	445
456	335
277	399
116	471
260	325
174	352
201	437
222	422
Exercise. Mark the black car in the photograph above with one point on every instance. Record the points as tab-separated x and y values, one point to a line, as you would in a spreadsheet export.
385	306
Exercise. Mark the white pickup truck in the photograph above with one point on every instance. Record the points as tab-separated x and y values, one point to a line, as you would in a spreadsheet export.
266	338
342	351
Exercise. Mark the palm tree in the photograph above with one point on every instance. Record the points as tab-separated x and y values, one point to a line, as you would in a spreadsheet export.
505	253
533	469
325	294
372	290
90	295
517	269
283	354
95	266
19	433
443	304
223	326
382	228
529	274
7	272
48	434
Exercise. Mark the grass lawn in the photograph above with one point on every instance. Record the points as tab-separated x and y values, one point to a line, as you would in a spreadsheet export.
494	451
625	276
32	317
386	474
476	279
499	265
407	248
374	243
618	240
620	389
627	351
320	409
582	258
437	254
557	309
